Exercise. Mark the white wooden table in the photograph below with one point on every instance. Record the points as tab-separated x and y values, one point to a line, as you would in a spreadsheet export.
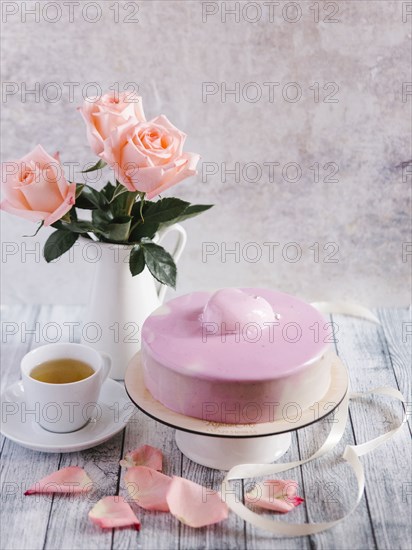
375	356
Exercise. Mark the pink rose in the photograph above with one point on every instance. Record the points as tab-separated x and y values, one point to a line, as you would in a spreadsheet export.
102	115
35	187
148	156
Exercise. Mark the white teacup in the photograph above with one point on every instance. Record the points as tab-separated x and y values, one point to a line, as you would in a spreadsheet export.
63	408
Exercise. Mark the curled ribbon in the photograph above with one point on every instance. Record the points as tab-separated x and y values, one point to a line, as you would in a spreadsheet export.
351	455
341	307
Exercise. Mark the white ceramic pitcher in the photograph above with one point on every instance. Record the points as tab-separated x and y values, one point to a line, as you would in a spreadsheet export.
120	303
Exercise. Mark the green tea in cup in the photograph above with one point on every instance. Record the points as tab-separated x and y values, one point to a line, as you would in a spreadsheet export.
61	371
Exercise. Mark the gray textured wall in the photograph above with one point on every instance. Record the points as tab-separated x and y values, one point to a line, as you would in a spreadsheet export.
169	53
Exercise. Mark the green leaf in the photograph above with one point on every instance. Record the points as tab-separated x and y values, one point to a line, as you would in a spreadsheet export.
90	199
58	243
108	191
140	230
84	203
119	190
79	226
162	210
79	189
98	166
193	210
136	260
57	225
121	204
160	263
101	218
117	230
73	214
190	212
66	217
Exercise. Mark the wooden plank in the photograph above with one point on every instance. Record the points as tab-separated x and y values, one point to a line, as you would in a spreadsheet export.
159	530
225	535
363	348
22	467
16	323
257	538
329	491
397	326
68	514
69	525
380	521
330	488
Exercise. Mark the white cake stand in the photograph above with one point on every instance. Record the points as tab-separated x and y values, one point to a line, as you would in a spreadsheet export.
222	446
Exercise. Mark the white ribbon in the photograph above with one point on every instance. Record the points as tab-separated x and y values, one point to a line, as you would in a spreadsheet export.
346	308
351	455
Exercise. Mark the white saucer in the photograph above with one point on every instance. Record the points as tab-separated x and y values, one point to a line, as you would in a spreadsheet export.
112	414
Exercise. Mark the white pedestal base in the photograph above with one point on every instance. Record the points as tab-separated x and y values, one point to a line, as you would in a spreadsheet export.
222	453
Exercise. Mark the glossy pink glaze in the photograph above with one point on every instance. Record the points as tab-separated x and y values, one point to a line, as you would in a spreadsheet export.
195	364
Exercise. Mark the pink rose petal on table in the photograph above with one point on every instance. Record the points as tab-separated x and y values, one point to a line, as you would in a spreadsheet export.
148	488
278	495
144	456
112	512
67	480
194	504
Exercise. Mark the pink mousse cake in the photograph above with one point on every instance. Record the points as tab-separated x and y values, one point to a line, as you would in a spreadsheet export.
237	355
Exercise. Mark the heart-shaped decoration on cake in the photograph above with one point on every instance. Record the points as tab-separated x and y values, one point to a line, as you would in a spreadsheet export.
231	309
